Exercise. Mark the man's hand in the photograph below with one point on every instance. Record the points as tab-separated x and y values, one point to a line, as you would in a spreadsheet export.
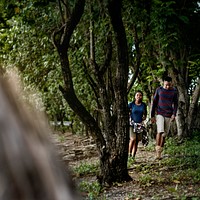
153	120
172	118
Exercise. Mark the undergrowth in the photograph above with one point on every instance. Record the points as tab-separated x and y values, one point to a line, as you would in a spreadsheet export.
185	155
181	165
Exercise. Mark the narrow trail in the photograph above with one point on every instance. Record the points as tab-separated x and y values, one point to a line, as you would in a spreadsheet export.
78	148
151	179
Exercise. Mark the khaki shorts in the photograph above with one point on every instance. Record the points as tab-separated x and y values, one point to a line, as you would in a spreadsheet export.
163	124
133	135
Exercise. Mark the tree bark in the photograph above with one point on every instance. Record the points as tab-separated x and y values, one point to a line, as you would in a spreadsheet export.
186	109
183	105
193	106
112	136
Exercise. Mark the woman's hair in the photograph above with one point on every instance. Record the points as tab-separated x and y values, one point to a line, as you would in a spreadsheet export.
30	169
139	91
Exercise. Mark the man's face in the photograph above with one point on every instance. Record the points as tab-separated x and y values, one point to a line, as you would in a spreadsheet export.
167	85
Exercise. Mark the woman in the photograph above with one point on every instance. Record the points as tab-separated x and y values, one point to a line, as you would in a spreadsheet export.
138	112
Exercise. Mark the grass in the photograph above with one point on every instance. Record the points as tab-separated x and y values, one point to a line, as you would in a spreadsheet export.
61	138
86	169
185	156
92	189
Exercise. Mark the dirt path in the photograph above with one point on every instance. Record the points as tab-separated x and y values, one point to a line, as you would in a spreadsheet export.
151	179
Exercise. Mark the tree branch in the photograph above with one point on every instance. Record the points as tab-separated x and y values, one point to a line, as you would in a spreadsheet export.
138	61
108	56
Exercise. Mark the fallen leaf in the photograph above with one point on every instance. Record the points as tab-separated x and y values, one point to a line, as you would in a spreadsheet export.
176	181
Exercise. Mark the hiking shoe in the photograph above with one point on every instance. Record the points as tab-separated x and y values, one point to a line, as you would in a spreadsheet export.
158	152
158	158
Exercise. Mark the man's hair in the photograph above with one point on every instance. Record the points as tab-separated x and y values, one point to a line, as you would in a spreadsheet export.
167	78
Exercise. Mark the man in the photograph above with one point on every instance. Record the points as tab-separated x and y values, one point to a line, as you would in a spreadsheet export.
165	104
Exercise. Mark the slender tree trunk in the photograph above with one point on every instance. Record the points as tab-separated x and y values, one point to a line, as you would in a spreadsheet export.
186	109
183	105
194	106
196	124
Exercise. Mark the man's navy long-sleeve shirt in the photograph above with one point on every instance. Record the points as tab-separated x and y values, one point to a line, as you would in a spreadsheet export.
165	102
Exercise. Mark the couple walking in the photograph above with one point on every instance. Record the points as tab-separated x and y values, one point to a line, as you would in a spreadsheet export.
163	112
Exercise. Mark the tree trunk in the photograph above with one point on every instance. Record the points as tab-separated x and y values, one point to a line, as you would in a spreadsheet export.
183	105
111	135
193	110
186	109
196	124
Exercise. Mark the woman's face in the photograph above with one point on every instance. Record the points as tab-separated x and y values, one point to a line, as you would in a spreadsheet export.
138	96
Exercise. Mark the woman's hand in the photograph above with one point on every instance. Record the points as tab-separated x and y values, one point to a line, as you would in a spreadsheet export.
153	120
144	117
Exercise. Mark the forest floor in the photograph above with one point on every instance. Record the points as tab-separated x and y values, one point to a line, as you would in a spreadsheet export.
151	179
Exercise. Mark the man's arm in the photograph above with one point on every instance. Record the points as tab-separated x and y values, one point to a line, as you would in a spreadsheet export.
155	103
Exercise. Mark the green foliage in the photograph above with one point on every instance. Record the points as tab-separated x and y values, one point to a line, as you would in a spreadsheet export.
162	27
163	35
131	161
85	169
27	45
185	157
145	180
186	174
92	189
61	138
190	148
150	146
29	48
